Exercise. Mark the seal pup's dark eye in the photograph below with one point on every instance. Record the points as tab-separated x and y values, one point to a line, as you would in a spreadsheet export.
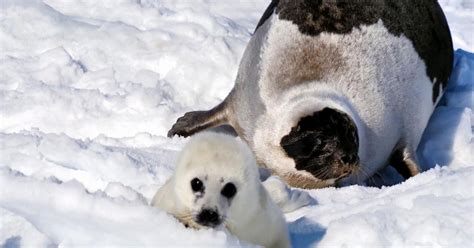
197	185
229	190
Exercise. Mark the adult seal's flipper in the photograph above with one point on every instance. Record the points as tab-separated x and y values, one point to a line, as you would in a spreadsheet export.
286	198
195	121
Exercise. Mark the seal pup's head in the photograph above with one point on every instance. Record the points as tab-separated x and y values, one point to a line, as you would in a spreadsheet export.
214	173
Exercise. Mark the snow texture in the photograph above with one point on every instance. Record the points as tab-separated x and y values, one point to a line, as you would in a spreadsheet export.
88	90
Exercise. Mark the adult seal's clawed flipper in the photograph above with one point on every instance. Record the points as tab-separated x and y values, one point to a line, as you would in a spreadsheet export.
195	121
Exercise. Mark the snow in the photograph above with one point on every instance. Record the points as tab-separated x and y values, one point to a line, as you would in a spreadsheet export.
88	90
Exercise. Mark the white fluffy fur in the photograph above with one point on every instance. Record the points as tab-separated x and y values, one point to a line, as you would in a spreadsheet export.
385	80
217	159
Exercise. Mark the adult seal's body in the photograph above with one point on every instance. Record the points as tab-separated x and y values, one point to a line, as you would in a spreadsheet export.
331	90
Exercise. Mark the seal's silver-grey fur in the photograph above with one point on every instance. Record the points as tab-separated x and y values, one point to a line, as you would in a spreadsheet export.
332	91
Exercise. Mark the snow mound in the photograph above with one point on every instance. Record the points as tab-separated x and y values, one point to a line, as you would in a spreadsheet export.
88	90
72	216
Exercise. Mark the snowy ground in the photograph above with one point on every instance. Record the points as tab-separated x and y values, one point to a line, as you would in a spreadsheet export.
88	90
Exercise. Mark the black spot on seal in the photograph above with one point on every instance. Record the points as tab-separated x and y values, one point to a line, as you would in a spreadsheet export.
318	141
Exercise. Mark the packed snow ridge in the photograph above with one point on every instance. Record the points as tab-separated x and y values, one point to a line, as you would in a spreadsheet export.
88	90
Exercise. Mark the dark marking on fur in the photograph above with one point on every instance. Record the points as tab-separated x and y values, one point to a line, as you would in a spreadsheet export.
404	165
300	64
325	144
268	12
305	181
421	21
198	195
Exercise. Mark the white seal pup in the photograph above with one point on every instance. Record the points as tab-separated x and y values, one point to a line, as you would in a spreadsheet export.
216	181
334	91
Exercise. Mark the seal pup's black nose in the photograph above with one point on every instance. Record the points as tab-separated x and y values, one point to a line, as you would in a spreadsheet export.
208	217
